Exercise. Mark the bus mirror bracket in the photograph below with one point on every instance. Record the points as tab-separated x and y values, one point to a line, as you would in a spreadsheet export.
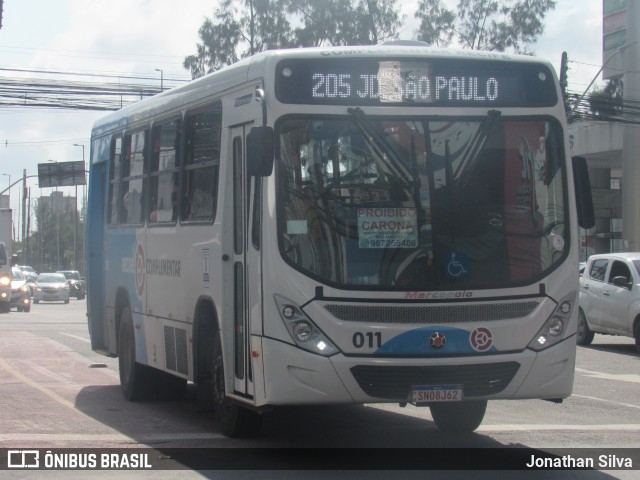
260	151
584	201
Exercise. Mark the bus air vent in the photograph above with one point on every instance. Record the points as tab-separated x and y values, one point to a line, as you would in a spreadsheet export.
175	347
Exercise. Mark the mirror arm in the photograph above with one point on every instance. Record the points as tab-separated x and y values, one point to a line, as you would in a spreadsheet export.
260	97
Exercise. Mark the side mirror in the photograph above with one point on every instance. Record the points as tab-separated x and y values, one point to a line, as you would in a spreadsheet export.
622	282
260	151
584	202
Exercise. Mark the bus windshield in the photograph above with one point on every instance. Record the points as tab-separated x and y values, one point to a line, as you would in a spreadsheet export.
422	203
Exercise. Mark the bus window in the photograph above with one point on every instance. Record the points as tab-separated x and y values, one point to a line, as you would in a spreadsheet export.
163	180
132	182
114	179
201	164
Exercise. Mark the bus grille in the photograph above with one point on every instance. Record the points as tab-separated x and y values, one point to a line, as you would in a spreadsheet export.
431	314
394	383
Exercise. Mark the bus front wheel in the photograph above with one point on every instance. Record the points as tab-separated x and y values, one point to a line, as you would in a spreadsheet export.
234	420
460	417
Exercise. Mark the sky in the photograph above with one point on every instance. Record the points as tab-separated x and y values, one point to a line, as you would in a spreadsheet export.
141	37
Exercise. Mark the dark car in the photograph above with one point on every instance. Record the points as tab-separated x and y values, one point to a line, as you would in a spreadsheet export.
76	283
29	273
20	291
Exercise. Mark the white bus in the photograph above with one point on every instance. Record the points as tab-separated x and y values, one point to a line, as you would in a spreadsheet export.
348	225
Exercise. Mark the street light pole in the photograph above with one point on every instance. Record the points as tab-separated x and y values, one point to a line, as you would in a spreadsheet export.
9	194
75	231
615	54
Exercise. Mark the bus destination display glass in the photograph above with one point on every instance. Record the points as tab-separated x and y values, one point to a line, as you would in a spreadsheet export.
364	81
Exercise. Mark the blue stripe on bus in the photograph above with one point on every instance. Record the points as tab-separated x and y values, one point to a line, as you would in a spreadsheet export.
417	342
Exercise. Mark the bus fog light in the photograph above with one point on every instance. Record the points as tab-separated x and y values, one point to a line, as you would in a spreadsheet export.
302	331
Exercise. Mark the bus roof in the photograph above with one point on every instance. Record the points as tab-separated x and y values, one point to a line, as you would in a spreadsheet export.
254	67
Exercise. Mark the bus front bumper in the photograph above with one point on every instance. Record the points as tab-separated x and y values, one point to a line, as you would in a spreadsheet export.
296	377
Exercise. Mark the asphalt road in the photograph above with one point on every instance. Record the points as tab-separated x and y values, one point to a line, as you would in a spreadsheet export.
56	393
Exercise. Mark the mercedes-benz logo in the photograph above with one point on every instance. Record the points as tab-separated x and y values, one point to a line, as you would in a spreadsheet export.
437	340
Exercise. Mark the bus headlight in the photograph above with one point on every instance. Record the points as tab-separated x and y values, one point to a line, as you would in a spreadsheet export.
5	280
554	328
303	331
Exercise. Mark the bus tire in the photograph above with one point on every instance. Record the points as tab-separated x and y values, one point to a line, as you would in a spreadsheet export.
136	380
459	417
584	336
235	421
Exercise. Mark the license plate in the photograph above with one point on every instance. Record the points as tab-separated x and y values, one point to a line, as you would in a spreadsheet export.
421	394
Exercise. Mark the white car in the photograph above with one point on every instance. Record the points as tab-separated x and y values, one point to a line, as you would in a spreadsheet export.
51	287
610	297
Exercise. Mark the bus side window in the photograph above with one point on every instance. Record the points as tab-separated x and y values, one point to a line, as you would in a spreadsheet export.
202	160
133	170
114	179
163	180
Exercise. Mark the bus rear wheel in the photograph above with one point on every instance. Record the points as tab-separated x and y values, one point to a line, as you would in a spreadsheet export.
460	417
234	420
136	380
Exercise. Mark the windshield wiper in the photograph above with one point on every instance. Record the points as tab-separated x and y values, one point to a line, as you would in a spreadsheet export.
376	141
478	141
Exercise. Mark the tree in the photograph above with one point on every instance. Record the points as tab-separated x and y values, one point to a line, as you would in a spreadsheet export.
607	102
239	28
245	27
346	22
497	25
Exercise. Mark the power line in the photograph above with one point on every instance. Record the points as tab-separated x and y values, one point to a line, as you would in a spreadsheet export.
97	75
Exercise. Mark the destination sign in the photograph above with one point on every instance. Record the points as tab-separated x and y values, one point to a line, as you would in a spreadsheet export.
365	81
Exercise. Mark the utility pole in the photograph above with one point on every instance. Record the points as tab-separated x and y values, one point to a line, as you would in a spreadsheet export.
631	134
564	82
24	211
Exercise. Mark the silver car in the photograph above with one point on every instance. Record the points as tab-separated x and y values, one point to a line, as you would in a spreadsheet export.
610	297
51	287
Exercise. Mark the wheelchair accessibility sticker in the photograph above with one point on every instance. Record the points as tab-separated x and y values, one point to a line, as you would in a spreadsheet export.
456	265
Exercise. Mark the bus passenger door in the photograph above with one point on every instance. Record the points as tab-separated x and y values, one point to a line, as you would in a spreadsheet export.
95	258
246	267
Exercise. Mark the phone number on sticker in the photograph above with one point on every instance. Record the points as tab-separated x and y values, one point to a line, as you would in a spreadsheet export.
389	243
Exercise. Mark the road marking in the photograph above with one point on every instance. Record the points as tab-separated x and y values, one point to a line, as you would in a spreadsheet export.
623	377
108	437
76	337
37	386
629	405
542	427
